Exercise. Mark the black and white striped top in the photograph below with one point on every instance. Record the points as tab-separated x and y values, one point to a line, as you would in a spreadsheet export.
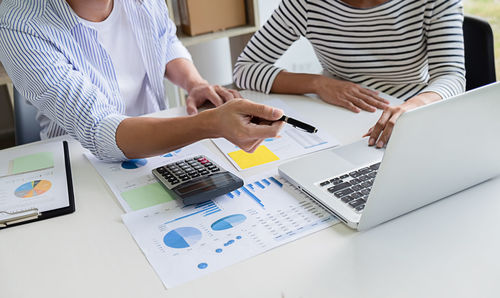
401	47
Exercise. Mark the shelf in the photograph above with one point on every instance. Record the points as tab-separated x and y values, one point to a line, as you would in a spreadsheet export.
192	40
252	26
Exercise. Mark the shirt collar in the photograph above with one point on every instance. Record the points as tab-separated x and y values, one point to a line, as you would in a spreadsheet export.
64	11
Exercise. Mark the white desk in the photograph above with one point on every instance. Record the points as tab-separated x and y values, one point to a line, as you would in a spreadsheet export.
448	249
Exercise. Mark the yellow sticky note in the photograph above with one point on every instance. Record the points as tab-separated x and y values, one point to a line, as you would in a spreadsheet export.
259	157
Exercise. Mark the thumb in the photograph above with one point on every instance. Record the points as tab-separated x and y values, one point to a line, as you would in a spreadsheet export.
191	107
259	110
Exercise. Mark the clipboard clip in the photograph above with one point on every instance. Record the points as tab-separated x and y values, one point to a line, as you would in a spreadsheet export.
18	216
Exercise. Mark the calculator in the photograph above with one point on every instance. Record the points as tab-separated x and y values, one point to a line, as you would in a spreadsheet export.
197	179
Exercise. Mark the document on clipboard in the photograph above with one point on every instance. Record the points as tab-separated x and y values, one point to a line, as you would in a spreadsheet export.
35	183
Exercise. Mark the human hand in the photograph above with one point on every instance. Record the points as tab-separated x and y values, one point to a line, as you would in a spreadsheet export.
202	93
349	95
382	130
246	124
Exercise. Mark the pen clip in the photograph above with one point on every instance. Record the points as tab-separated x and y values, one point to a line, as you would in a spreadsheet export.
18	216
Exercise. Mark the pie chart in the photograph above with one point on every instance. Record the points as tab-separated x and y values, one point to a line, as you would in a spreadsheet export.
134	163
33	188
182	237
228	222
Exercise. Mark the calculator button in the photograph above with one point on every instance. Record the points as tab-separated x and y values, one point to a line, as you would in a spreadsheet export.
215	170
161	170
208	164
324	183
185	179
193	175
344	176
204	172
174	181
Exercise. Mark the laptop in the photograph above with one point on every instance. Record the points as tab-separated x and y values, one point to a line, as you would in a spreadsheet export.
434	151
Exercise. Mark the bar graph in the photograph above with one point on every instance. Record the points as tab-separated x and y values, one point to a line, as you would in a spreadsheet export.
205	209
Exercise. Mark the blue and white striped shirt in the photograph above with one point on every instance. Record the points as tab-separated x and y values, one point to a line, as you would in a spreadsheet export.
58	64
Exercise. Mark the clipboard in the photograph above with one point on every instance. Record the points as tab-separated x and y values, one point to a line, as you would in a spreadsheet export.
29	215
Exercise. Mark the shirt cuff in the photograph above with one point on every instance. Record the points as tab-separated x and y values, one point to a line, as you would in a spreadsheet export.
446	87
177	50
105	139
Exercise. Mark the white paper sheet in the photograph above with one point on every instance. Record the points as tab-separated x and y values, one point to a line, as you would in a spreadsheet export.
184	243
34	177
291	142
134	185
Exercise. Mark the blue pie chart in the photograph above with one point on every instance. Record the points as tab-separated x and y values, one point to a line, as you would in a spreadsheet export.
182	237
228	222
134	163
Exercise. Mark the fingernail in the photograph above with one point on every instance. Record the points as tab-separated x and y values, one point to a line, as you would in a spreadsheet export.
371	141
277	113
380	144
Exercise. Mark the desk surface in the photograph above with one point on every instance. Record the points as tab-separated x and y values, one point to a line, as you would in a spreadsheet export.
447	249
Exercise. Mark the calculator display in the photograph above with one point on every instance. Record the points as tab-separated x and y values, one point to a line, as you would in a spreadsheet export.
205	184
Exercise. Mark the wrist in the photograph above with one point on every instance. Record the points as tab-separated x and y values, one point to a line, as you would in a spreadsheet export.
195	83
317	83
206	122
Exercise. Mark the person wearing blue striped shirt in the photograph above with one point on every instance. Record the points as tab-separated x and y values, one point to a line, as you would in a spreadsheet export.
92	66
412	50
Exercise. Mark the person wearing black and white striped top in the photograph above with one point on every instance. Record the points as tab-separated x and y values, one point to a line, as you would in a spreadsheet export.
412	50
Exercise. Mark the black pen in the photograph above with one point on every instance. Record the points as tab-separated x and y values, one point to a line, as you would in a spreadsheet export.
299	124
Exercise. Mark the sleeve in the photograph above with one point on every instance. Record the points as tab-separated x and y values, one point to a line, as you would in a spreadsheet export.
255	67
445	49
46	78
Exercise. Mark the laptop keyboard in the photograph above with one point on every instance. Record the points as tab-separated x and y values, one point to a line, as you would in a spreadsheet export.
352	188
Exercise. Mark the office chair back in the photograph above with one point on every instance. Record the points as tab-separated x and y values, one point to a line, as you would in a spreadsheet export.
27	127
479	53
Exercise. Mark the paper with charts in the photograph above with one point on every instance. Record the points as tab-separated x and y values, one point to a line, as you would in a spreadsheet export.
33	177
134	185
184	243
291	142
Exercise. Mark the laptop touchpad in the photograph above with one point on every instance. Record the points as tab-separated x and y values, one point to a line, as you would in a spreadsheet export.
359	153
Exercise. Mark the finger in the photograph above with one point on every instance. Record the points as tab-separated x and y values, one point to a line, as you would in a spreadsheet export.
368	132
374	95
223	93
255	145
264	131
372	101
384	137
235	93
361	104
259	110
191	106
348	105
379	127
214	97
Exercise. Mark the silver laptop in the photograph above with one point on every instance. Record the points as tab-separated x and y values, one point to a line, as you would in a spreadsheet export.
434	151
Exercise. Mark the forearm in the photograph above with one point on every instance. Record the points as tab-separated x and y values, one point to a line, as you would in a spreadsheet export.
140	137
422	99
183	73
296	83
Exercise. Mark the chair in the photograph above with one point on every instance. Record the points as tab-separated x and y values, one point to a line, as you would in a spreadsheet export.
27	127
479	53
